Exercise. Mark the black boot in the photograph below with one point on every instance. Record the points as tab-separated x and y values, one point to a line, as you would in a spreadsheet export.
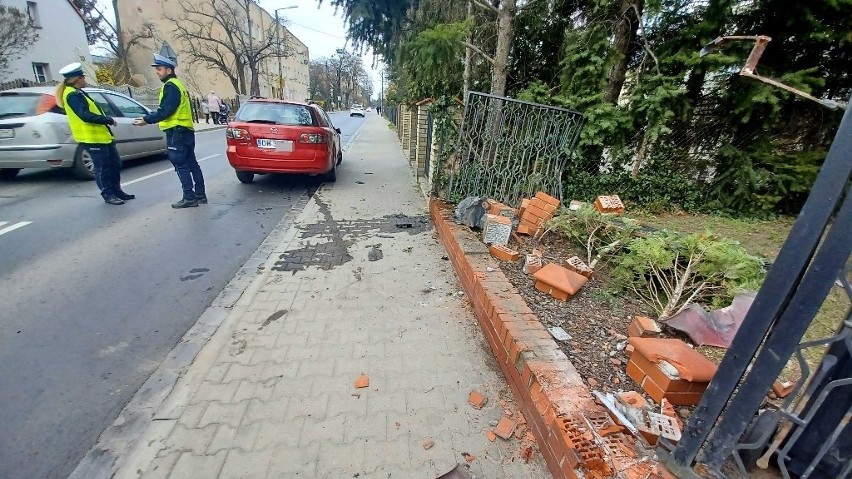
184	203
125	196
113	200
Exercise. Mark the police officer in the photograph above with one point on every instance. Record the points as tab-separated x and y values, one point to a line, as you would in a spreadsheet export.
90	128
175	118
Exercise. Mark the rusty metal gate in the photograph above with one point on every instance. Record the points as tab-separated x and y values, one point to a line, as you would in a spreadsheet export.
810	435
509	149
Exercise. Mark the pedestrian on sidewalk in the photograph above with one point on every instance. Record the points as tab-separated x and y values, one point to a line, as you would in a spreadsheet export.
175	118
214	104
91	129
206	110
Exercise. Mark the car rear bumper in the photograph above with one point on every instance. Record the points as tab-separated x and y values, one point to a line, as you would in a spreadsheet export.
270	165
38	156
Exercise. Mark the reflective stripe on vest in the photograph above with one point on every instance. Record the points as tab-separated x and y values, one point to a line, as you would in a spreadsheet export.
183	114
82	131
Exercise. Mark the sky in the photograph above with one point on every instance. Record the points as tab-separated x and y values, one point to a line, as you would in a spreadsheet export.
319	28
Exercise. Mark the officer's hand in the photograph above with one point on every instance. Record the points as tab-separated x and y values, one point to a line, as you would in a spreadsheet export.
114	123
139	122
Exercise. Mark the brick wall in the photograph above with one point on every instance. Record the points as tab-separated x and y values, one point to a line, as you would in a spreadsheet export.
554	399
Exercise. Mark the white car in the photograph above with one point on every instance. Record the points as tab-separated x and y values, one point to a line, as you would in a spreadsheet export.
357	110
34	132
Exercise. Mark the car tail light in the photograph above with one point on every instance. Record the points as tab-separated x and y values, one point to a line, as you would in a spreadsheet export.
46	103
237	134
312	138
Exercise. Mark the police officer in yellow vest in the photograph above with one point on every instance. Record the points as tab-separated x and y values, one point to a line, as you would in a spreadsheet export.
175	118
90	128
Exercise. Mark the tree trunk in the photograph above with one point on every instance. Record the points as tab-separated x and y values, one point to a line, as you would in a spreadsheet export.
468	56
255	77
626	23
505	37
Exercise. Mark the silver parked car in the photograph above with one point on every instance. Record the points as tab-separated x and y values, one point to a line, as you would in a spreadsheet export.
34	131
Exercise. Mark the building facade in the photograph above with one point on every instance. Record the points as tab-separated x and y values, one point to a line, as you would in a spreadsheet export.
62	40
199	78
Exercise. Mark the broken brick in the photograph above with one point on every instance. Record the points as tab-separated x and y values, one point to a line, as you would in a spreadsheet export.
667	409
428	444
593	383
610	430
643	327
468	457
477	400
491	436
505	428
784	389
527	454
547	198
499	209
577	265
496	230
609	204
615	361
532	264
503	253
633	399
363	381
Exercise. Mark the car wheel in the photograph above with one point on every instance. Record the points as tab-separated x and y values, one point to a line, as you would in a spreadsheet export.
339	157
331	176
9	173
83	167
245	176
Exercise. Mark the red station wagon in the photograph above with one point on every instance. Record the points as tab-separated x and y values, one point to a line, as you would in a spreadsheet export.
276	136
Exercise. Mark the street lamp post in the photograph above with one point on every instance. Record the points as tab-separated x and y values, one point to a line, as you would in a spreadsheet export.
278	42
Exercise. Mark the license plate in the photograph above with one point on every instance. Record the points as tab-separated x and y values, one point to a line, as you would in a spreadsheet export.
7	133
261	143
283	145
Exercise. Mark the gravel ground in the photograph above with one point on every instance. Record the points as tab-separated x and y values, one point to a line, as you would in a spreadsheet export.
595	318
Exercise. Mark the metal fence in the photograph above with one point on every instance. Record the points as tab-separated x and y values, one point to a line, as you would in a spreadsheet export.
809	436
508	149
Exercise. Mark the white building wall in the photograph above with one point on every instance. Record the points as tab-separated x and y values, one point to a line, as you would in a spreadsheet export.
62	40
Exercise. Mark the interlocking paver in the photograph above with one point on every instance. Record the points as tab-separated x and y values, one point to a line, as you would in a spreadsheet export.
278	399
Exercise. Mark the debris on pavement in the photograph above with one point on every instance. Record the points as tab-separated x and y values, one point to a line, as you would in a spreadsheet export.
468	457
458	472
491	436
527	454
428	444
477	400
363	381
375	254
505	428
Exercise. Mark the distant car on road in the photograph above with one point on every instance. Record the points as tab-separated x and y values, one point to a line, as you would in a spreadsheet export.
276	136
34	132
357	110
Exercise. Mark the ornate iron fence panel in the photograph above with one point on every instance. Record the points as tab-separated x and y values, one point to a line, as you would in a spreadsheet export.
509	149
809	435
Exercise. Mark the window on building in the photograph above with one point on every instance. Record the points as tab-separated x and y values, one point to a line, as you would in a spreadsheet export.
32	12
40	72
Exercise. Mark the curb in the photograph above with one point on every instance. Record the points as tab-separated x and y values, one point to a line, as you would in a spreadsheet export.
558	406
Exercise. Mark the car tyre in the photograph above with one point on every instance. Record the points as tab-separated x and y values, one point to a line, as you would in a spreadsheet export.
331	176
245	176
9	173
83	167
339	157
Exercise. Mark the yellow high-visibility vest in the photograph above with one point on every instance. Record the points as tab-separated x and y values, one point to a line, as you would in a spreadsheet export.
82	131
183	114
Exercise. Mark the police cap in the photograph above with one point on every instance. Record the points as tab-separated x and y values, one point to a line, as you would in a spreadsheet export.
161	61
72	70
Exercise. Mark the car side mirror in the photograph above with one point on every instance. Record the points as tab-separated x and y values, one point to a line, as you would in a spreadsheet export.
337	130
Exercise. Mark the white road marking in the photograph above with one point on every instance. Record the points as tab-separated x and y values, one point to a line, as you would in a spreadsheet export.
12	227
170	170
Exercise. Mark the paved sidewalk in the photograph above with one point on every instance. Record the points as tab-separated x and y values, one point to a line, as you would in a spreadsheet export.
356	285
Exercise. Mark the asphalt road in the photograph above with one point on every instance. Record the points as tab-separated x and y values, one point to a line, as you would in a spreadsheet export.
93	297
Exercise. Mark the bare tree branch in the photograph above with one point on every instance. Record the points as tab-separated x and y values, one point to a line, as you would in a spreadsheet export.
481	53
485	5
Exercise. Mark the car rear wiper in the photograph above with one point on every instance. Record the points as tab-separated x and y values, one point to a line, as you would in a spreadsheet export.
265	122
7	115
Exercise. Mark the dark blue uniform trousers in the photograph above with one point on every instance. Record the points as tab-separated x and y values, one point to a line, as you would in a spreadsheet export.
107	165
181	143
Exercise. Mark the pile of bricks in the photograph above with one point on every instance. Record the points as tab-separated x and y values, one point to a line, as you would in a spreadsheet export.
535	212
669	369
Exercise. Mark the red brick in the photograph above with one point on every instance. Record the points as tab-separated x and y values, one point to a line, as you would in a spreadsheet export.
491	436
532	264
663	380
547	198
691	365
503	253
577	265
477	400
363	381
537	212
609	204
633	398
543	205
505	428
525	229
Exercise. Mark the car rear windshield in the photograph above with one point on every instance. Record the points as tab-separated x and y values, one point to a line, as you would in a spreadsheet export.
14	104
276	114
